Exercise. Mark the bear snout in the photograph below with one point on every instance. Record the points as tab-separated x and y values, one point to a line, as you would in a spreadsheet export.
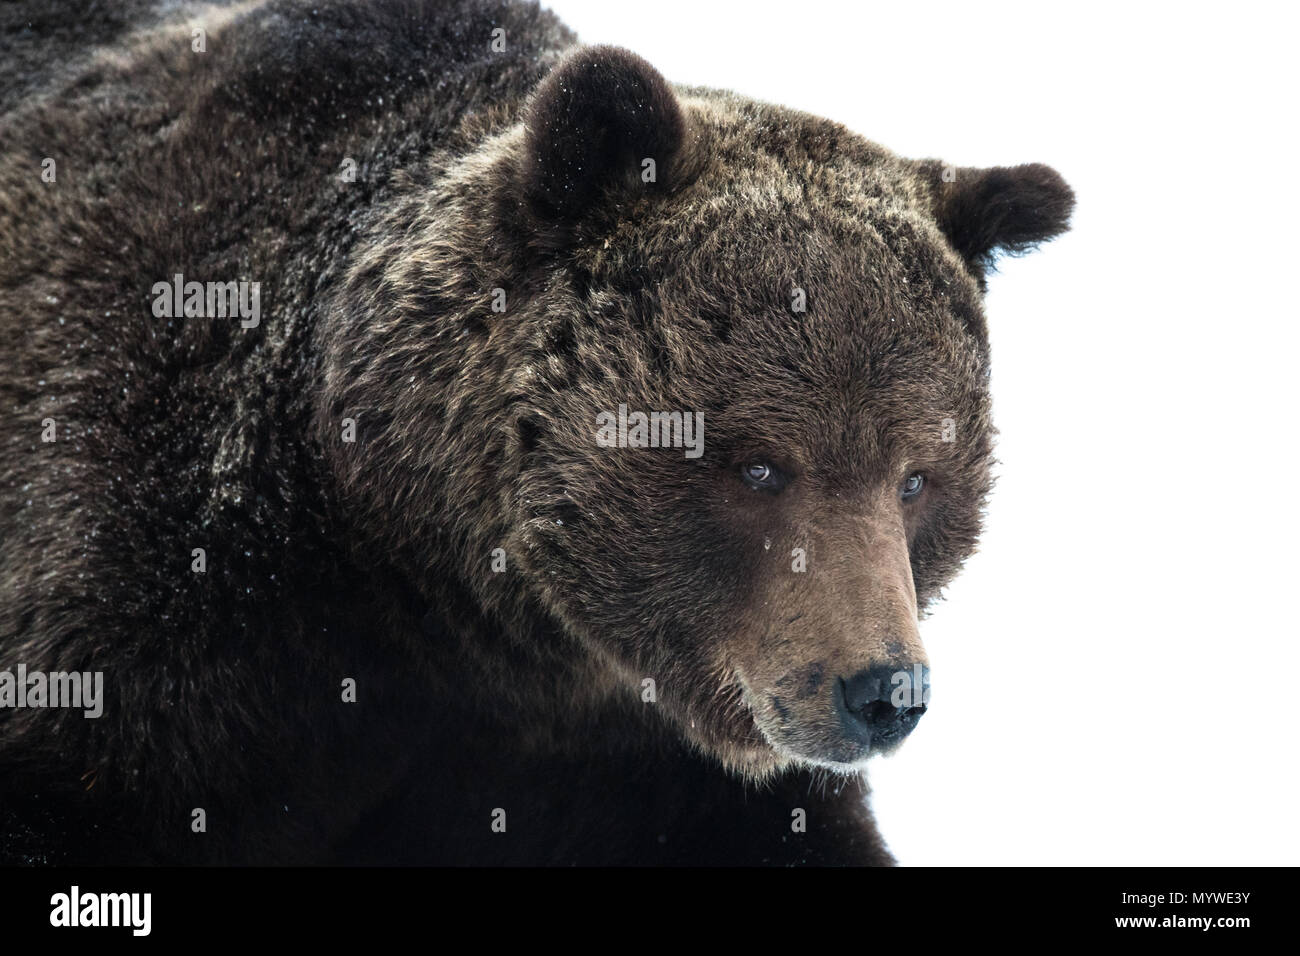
880	706
839	716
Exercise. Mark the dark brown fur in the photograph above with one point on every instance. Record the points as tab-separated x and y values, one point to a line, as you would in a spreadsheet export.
477	689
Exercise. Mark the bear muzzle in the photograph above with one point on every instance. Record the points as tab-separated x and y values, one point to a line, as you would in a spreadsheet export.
880	706
848	719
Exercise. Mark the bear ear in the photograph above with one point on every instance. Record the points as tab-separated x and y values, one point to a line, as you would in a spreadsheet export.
1007	209
602	122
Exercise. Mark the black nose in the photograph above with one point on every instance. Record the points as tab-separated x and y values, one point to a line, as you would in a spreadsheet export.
880	705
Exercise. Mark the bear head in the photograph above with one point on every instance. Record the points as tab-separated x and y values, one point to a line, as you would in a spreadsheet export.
709	377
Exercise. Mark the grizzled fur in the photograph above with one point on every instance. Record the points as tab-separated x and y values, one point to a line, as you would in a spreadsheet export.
477	688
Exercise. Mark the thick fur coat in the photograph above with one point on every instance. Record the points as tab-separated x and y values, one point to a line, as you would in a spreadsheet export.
560	652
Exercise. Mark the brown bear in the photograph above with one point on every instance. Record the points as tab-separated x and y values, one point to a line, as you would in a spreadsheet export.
450	444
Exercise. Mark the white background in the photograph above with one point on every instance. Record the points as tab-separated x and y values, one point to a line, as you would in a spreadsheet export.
1116	672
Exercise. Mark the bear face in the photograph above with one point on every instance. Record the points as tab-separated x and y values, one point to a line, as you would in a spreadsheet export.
805	303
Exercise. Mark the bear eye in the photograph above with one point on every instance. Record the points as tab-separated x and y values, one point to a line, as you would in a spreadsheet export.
912	486
762	476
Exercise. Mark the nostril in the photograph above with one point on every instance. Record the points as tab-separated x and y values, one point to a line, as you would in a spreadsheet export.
877	712
864	689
